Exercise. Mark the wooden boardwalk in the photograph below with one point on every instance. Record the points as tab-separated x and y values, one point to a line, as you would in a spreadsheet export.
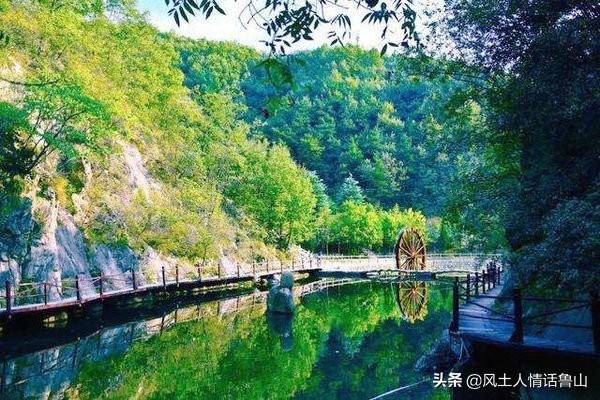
81	299
44	299
480	322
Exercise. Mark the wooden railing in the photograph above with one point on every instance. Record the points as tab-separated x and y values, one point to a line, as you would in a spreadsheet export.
476	286
83	288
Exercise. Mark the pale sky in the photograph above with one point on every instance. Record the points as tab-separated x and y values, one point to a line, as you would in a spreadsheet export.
229	28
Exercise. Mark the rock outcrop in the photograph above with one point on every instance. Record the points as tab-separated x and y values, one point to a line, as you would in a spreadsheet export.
17	229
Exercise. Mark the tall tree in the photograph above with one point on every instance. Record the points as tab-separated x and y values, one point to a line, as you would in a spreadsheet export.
542	60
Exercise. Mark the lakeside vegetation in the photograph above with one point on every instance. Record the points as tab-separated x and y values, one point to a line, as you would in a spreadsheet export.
196	148
337	162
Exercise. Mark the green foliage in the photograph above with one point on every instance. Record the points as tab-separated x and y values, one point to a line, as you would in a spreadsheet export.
356	227
214	171
394	220
539	169
372	129
66	120
286	22
277	194
199	184
350	191
15	156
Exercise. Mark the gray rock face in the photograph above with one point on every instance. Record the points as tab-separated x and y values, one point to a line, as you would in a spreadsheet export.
116	262
16	231
114	259
70	247
280	298
61	246
44	253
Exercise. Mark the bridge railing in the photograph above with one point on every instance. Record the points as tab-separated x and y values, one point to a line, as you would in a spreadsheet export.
85	287
477	285
435	262
474	255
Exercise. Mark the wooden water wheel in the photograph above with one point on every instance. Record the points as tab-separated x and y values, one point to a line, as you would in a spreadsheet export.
412	300
410	250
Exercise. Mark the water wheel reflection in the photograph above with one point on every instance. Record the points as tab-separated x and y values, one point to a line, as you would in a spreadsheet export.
412	299
410	250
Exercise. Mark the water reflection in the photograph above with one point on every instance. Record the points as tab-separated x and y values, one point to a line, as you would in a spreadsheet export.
347	339
281	325
412	299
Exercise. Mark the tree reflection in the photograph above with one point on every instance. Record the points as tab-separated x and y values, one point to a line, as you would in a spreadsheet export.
348	343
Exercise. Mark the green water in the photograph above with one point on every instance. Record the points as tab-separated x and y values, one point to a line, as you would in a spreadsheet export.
349	342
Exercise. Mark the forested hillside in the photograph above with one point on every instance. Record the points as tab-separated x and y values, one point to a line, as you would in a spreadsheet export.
384	131
120	144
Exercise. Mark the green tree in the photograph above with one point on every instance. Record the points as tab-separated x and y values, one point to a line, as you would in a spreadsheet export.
356	227
544	121
277	194
350	191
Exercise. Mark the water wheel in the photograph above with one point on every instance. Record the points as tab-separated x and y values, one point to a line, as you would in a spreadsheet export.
410	250
412	300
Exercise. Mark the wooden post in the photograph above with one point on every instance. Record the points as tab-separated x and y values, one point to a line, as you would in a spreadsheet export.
238	268
468	288
454	323
476	283
8	296
177	274
595	310
134	283
163	278
101	284
45	293
483	281
77	288
253	268
517	335
292	264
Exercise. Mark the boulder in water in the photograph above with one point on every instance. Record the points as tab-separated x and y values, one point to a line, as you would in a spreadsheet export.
280	298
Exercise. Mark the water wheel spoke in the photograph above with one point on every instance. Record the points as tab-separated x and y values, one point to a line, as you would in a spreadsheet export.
403	263
404	246
410	250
